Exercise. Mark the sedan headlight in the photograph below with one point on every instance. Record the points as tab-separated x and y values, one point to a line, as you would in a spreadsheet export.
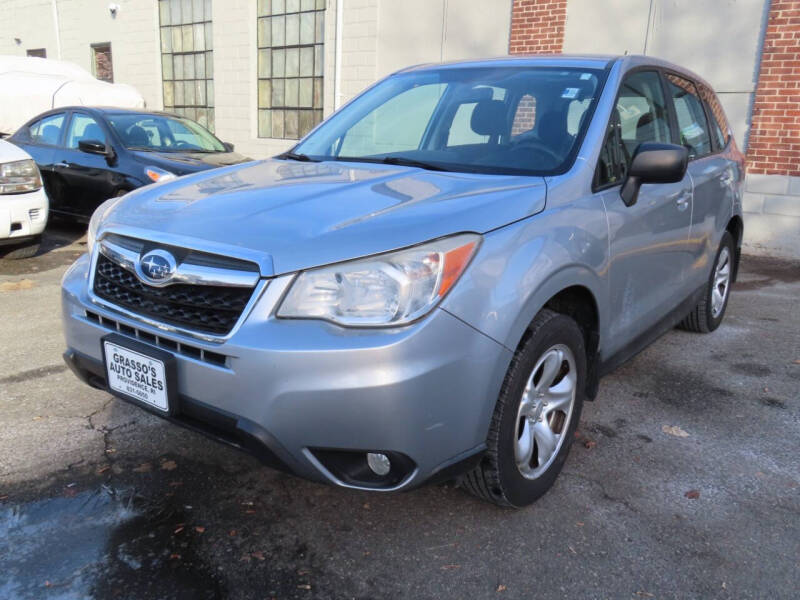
155	174
19	176
385	290
97	218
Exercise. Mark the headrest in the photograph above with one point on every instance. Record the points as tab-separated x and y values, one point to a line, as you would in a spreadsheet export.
489	117
93	132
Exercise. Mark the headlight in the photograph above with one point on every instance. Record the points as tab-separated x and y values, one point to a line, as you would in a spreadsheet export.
19	176
97	218
156	174
385	290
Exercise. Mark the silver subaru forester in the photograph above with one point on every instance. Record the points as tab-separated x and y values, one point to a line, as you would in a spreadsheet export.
431	282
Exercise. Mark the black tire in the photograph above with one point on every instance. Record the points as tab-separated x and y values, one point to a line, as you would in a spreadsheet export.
29	250
702	318
498	479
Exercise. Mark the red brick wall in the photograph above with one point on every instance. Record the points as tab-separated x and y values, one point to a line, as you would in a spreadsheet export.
774	143
537	26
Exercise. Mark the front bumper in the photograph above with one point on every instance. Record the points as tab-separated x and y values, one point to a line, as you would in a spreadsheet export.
22	215
290	391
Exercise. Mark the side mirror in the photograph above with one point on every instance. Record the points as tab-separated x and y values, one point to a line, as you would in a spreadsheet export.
653	163
92	147
228	146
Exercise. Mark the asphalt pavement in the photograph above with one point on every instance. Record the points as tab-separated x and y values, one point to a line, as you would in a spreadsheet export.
684	482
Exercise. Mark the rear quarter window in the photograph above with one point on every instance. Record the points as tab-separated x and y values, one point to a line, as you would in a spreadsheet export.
719	124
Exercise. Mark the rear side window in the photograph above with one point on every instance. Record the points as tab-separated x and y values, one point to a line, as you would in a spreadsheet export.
692	125
719	124
47	131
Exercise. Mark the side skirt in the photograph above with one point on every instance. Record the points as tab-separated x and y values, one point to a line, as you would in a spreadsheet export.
627	352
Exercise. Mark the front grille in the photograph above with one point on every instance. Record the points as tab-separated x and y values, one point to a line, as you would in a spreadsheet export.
203	308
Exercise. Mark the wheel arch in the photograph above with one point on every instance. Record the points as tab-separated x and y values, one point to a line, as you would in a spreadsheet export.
577	298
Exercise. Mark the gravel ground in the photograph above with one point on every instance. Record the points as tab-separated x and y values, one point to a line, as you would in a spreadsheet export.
99	499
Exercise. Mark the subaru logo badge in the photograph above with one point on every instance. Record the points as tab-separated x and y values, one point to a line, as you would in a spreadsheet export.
157	266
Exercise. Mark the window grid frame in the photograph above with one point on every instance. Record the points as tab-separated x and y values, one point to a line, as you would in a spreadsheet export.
184	109
306	115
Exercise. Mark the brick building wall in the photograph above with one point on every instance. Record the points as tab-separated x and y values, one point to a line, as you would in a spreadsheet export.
774	146
537	26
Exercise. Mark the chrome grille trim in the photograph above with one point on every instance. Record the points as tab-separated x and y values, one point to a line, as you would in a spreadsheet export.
189	273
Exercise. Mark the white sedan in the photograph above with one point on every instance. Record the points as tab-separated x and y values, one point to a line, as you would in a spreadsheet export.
23	203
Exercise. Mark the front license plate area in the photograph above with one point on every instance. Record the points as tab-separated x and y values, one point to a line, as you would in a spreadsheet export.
140	373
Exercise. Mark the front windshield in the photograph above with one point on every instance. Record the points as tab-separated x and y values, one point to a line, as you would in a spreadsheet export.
479	119
163	133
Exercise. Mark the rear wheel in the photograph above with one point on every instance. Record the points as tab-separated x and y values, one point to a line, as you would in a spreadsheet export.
536	415
708	314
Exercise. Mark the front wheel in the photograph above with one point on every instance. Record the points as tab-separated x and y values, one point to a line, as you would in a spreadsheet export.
536	415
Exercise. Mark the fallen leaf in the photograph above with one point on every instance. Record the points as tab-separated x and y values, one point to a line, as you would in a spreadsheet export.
103	469
143	468
259	555
674	430
304	586
579	523
644	594
13	286
366	505
169	465
200	529
232	533
692	494
589	444
174	556
571	549
110	450
175	483
47	583
3	497
449	567
797	361
37	418
501	588
178	530
249	512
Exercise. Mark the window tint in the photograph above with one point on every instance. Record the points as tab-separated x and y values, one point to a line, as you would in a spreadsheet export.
640	116
692	125
162	133
719	124
83	127
48	130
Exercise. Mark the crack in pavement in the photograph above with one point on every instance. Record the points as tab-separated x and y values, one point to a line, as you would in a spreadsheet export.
33	374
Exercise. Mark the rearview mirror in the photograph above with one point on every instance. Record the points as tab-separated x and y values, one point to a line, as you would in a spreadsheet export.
653	163
228	146
92	147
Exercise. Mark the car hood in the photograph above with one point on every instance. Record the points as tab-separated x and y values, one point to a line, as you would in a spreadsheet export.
293	215
189	162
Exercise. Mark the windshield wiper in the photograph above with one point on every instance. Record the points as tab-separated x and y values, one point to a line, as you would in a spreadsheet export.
299	157
394	160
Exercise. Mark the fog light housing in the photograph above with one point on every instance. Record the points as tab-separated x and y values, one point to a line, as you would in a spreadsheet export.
379	463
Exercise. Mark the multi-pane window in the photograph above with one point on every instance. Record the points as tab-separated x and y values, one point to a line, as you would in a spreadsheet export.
290	46
187	61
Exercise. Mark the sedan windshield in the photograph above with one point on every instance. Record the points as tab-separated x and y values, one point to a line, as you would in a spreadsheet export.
483	119
163	133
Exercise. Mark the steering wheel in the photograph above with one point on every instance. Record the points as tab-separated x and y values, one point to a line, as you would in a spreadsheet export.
537	146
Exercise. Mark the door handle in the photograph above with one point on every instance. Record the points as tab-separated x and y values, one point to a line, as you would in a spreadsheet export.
683	200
